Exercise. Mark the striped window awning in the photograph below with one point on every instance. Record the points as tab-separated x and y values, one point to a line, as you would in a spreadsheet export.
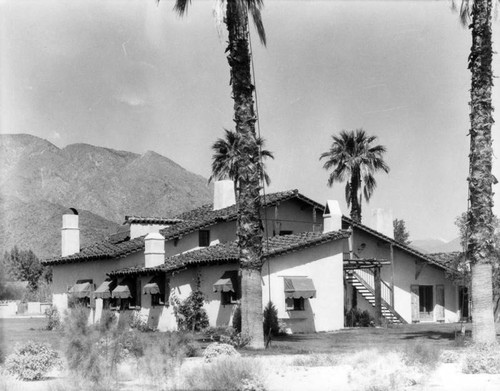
152	287
122	290
104	290
228	282
299	287
81	290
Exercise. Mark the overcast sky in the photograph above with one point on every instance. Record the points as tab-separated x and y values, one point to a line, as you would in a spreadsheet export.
131	75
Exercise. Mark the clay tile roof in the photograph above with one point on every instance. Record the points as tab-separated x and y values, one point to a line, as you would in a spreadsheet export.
205	216
229	252
106	249
119	245
150	220
400	245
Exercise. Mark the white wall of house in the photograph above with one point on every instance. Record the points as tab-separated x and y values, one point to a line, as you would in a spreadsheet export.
324	265
405	275
137	230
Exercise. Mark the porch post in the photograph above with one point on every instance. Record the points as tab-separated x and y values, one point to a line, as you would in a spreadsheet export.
378	296
392	303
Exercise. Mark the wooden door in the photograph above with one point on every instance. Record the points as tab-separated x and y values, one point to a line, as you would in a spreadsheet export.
414	304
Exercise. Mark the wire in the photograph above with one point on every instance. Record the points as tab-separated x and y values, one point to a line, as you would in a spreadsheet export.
260	157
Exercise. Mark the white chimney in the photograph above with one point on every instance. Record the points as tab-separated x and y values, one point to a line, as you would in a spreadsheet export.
224	194
70	233
154	252
382	222
332	218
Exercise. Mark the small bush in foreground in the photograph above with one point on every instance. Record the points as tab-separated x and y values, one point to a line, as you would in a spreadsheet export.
482	358
316	360
271	324
32	361
229	373
424	354
449	356
216	350
373	371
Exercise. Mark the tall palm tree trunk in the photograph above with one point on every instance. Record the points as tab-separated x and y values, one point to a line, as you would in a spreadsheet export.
355	201
248	227
480	217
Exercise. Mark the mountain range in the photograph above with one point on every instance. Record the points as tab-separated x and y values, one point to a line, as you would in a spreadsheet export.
432	246
39	181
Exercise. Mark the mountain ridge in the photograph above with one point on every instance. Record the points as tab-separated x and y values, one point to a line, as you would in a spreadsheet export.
38	178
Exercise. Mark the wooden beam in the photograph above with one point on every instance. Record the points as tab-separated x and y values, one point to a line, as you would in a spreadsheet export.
378	296
391	258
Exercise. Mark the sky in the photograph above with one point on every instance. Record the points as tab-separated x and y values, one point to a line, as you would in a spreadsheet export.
132	75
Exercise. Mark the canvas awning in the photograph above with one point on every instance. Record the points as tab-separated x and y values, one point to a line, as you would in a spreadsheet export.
228	282
122	291
152	287
103	291
299	287
81	290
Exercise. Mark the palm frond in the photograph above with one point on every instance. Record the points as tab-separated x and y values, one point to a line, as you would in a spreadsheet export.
254	9
181	6
218	13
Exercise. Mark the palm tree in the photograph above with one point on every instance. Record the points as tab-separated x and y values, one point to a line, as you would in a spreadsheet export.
248	229
353	158
225	159
480	225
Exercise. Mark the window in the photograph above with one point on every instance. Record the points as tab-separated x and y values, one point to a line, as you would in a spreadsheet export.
204	238
229	287
229	298
294	304
285	232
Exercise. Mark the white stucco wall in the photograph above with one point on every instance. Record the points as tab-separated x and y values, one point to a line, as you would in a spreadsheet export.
324	265
137	230
404	276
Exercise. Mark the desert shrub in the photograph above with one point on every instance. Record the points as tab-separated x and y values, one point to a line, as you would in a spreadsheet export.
356	318
423	354
229	373
373	371
271	320
216	350
233	338
32	361
107	322
316	360
53	318
237	319
482	358
140	322
450	356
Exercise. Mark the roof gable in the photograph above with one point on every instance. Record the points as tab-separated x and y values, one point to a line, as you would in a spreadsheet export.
397	244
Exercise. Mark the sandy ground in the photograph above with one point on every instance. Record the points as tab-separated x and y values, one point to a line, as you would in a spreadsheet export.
281	375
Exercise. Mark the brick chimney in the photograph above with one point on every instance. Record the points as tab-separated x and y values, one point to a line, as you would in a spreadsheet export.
224	194
381	221
154	251
332	218
70	233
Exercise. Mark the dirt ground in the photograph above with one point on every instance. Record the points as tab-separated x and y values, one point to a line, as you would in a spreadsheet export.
278	360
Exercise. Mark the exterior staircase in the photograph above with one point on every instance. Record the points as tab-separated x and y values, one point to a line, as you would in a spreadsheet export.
368	292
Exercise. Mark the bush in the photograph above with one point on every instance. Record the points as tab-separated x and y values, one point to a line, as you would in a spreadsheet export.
53	318
190	313
32	361
229	373
216	350
421	354
482	358
238	340
140	322
356	318
271	320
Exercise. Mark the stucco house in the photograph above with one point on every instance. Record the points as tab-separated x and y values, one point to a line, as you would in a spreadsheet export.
317	264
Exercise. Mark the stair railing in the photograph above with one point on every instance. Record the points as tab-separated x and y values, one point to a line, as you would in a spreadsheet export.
366	275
